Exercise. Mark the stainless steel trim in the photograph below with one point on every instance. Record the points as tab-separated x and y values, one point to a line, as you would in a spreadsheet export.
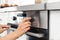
32	7
35	34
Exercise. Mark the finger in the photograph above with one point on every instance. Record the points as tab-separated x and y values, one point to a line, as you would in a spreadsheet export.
26	19
26	26
27	23
5	26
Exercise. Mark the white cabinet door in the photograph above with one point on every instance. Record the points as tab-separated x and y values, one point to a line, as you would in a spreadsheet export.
54	25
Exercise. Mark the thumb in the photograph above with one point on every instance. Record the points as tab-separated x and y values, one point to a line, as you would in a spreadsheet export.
4	29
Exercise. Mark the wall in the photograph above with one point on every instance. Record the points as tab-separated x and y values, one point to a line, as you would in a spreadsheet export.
50	1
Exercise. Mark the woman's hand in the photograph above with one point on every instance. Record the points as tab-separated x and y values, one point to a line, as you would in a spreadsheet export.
23	26
3	28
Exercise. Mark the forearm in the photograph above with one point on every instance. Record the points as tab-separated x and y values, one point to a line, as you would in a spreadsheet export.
11	36
4	39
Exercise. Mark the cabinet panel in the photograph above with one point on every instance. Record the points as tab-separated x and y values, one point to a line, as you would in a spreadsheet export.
54	25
